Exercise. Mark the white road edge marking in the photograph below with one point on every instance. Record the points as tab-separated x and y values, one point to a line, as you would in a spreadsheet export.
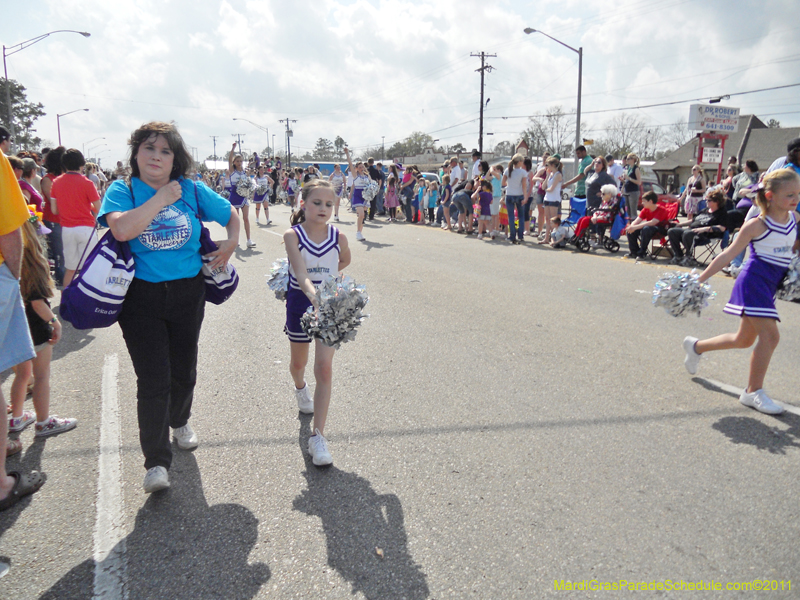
109	529
732	389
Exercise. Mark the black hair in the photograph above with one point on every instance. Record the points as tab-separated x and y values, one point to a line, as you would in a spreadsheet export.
752	165
484	165
73	159
580	148
528	164
53	162
4	134
181	160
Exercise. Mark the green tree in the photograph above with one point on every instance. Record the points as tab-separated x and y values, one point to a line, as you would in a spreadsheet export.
504	148
773	124
457	147
338	148
411	146
23	113
323	150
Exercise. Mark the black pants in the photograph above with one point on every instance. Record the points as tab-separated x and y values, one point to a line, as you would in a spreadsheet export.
647	234
678	235
431	214
161	326
373	206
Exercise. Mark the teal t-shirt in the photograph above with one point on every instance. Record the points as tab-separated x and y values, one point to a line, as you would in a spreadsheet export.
169	248
580	187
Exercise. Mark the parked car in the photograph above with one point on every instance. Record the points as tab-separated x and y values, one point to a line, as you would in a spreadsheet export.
432	177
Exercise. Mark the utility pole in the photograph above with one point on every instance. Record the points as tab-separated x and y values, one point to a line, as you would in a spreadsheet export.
214	137
238	136
484	67
289	134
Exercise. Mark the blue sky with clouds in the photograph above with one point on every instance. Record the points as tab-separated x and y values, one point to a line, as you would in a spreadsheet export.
371	69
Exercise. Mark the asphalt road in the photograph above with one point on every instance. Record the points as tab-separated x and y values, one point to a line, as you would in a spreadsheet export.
508	417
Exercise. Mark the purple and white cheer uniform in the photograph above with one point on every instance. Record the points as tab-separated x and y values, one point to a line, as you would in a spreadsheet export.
360	183
236	200
322	263
770	254
259	198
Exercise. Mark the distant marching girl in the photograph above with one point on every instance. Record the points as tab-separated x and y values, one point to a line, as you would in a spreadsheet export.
235	174
338	180
317	252
263	199
360	182
772	238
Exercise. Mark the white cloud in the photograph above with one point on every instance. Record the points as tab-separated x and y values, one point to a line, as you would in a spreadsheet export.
366	69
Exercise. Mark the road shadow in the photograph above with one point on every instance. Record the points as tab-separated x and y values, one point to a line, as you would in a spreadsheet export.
180	548
245	252
360	526
372	245
713	387
747	430
25	462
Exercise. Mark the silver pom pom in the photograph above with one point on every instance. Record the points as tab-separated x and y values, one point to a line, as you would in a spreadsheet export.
370	191
340	304
680	293
278	280
261	190
283	195
245	187
789	289
225	194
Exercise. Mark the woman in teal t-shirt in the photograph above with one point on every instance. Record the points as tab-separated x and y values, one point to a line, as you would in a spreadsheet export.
157	213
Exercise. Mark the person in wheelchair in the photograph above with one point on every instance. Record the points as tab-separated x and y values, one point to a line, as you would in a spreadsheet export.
652	221
709	224
594	226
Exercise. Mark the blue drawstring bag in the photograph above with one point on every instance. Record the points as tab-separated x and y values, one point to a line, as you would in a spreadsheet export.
94	297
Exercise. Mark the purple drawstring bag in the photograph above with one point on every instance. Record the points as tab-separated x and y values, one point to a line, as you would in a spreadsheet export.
221	282
94	297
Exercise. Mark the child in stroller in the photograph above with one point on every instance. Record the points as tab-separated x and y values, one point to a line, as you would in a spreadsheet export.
604	215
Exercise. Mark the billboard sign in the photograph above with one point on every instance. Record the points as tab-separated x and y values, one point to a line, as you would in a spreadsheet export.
707	117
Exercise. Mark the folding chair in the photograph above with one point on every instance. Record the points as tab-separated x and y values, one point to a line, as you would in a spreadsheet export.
709	248
663	244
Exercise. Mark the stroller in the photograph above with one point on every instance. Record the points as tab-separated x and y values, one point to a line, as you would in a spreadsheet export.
614	216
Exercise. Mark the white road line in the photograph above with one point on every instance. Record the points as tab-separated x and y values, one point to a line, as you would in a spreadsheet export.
732	389
280	235
109	530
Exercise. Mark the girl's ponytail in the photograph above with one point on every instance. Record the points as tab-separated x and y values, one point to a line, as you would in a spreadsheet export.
771	183
298	216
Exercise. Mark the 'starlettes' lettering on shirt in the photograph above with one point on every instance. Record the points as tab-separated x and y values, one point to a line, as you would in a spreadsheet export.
170	230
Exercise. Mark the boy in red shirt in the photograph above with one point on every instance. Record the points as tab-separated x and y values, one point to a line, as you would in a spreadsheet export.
76	201
652	221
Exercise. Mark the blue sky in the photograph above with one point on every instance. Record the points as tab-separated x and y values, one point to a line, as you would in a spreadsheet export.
371	69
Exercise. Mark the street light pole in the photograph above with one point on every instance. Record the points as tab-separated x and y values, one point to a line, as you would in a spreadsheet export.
58	120
579	52
9	50
266	129
383	146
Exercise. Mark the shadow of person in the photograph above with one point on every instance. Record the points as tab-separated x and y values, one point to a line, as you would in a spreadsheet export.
72	340
30	460
181	548
747	430
360	526
379	245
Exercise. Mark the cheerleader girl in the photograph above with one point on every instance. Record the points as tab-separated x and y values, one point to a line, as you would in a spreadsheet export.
360	182
317	252
337	179
235	174
772	238
262	179
36	286
391	202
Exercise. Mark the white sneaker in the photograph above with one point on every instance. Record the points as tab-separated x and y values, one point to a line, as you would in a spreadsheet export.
156	480
269	222
185	437
761	402
480	236
359	236
692	357
318	449
305	403
336	219
251	244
